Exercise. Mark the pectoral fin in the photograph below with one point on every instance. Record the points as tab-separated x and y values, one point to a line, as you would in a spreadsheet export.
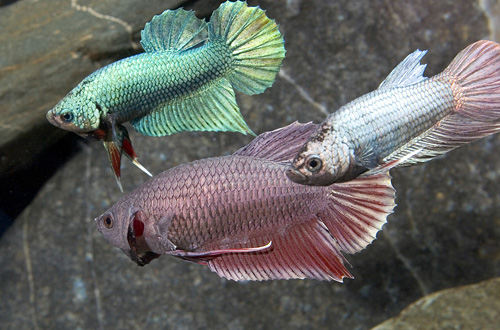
204	256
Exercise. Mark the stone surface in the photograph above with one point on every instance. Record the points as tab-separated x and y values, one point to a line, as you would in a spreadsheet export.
58	273
465	307
49	45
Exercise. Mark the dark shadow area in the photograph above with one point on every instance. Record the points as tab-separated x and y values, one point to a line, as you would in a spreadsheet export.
6	2
27	163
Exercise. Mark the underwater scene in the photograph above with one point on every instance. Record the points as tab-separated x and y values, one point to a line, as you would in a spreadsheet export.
266	164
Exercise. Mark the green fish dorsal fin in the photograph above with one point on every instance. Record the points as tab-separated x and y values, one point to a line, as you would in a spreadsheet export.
212	108
173	30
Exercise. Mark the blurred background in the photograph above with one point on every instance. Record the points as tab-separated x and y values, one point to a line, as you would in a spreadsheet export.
57	272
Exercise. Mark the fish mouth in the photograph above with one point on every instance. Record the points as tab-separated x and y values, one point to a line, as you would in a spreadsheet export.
296	176
324	179
139	251
53	119
59	122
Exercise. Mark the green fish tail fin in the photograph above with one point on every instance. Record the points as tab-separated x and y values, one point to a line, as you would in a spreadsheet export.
255	41
174	30
212	108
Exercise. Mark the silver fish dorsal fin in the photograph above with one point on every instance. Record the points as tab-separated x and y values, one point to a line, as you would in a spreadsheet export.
173	30
408	72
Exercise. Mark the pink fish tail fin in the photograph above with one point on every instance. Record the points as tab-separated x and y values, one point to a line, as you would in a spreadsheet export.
475	81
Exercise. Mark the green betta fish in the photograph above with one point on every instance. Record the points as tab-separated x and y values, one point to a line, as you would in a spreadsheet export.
183	82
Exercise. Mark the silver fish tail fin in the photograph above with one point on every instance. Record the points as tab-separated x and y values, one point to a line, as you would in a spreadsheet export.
475	80
256	44
346	220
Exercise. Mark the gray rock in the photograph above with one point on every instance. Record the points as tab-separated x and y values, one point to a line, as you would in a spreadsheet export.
59	273
49	46
474	306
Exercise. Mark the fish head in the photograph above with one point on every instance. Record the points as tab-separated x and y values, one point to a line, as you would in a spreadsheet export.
322	164
78	112
324	159
312	167
127	228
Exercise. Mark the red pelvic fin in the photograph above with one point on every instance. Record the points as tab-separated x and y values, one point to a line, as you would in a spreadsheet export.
129	151
114	156
116	140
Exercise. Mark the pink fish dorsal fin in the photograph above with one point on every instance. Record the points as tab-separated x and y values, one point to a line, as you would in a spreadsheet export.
280	145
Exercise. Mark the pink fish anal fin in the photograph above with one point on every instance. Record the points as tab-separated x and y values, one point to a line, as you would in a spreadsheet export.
203	257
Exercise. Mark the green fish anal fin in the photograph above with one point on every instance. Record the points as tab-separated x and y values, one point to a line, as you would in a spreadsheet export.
211	108
173	30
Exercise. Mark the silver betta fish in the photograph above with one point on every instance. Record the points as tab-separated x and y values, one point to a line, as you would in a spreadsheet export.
243	218
183	82
408	119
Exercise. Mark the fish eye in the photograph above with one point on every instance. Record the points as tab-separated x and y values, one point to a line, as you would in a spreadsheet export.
314	163
108	222
67	117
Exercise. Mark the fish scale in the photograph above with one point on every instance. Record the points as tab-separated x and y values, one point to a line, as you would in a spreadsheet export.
251	222
395	117
409	119
155	86
184	81
238	200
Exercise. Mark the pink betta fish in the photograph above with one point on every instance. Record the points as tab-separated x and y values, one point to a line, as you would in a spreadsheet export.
243	218
409	119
